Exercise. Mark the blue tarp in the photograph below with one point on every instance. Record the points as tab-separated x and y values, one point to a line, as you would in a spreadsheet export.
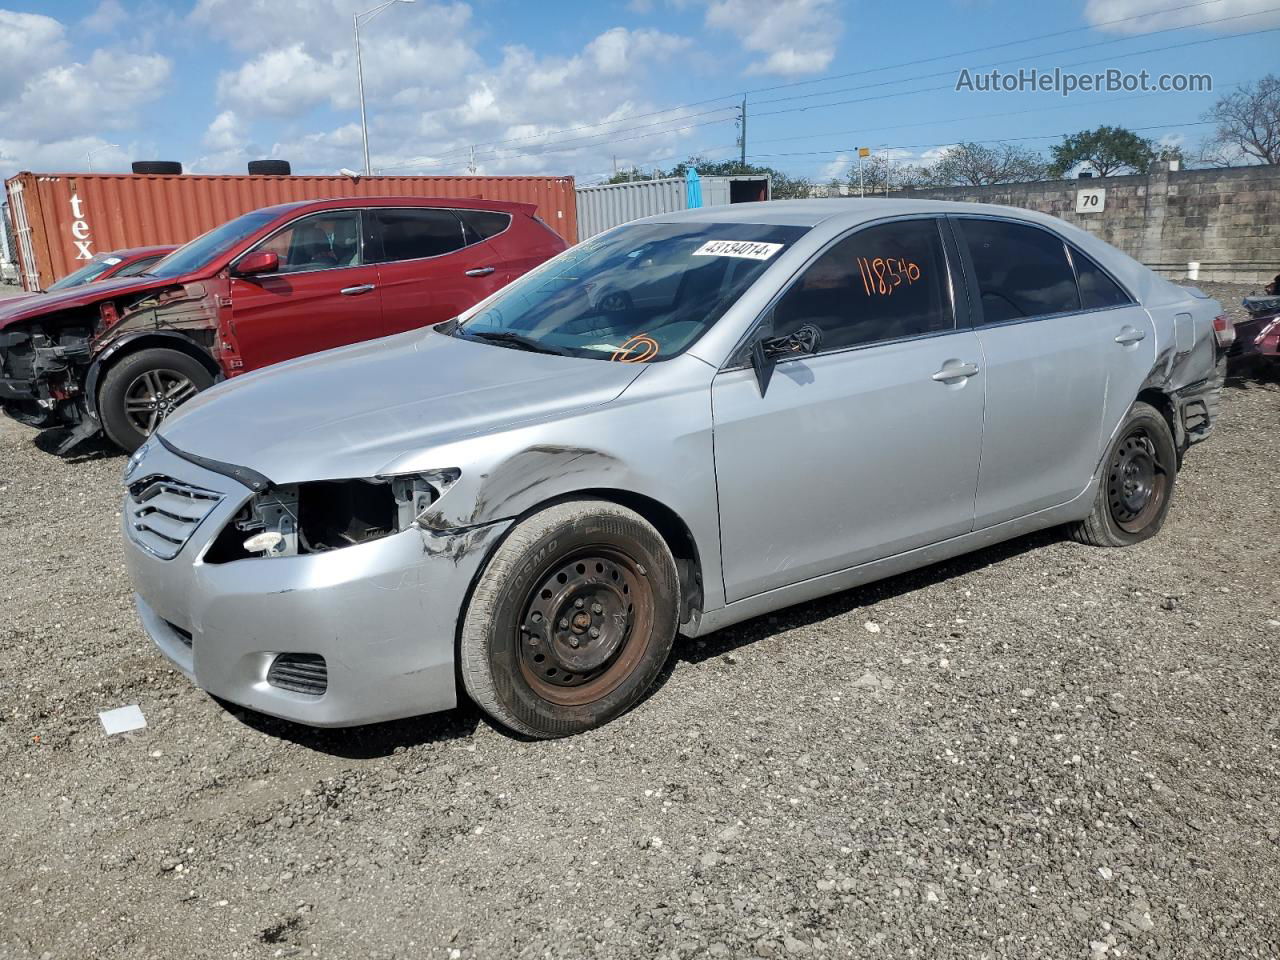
693	187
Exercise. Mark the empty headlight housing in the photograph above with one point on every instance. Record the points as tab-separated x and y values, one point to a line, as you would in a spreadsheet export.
323	515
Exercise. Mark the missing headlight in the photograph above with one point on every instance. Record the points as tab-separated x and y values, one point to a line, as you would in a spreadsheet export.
324	515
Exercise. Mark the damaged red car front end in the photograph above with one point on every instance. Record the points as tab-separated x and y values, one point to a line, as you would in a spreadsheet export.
1258	336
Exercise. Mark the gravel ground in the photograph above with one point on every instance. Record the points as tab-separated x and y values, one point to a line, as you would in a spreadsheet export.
1040	750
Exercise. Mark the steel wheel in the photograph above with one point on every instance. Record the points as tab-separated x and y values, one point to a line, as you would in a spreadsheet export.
1137	481
578	623
153	395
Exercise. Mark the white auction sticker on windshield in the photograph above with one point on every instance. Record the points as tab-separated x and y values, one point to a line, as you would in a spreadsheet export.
747	249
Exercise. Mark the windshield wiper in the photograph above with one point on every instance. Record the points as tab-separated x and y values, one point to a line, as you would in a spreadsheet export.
516	340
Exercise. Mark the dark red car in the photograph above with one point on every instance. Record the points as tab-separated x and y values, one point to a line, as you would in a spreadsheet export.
274	284
117	263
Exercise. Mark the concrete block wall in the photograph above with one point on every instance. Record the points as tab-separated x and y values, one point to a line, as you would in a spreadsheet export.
1227	220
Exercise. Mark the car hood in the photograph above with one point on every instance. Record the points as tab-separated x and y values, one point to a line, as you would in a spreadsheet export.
30	307
350	412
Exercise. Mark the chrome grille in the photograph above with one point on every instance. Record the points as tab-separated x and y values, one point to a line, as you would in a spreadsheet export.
163	513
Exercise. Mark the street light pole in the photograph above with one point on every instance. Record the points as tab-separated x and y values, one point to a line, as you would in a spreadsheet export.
88	156
364	125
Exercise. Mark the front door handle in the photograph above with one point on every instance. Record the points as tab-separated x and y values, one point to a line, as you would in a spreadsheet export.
480	272
357	290
1130	335
956	371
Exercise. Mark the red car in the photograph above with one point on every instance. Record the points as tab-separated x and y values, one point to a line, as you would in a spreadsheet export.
118	263
274	284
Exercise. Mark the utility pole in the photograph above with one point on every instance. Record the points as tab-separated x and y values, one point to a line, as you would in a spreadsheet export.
862	184
742	135
471	166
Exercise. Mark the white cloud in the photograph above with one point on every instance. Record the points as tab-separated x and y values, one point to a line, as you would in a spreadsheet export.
792	36
74	98
27	42
1099	13
106	16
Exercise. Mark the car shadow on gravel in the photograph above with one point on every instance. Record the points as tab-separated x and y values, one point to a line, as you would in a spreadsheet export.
806	614
94	448
365	742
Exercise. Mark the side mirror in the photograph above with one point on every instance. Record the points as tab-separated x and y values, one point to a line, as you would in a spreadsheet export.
767	351
264	261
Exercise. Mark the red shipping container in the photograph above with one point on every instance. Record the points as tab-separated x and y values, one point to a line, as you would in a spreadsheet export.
62	219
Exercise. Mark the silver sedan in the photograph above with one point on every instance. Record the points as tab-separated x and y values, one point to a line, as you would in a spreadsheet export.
682	423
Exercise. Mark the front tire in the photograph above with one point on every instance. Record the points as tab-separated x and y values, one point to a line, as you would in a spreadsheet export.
571	620
1136	488
144	388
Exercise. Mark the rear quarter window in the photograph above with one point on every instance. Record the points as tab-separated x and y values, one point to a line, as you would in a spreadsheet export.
483	224
1097	290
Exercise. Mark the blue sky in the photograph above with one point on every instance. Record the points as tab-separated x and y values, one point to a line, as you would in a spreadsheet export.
567	87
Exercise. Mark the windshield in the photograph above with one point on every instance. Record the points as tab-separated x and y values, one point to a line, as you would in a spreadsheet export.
217	241
87	274
639	293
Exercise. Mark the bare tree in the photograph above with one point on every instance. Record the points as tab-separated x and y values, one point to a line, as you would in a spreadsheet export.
1248	125
976	164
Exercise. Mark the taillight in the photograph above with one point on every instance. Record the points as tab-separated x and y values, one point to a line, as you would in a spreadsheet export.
1223	330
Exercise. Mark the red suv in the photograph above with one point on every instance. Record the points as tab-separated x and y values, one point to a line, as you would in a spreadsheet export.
273	284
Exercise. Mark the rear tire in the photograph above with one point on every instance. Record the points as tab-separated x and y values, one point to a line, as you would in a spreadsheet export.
571	620
159	376
1136	487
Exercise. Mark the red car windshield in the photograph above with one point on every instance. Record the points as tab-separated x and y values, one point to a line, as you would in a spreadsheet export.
87	274
204	248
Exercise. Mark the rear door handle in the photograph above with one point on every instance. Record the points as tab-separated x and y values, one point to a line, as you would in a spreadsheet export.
357	290
1130	335
480	272
956	371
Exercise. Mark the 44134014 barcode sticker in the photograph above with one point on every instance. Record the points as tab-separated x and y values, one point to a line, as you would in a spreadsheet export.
746	249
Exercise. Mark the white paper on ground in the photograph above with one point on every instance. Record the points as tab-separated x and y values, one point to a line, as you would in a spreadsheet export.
122	719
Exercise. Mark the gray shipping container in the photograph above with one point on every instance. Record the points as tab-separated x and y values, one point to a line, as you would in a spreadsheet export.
606	206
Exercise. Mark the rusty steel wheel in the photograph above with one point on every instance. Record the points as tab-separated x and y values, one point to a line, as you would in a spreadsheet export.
1137	481
571	620
575	636
1136	485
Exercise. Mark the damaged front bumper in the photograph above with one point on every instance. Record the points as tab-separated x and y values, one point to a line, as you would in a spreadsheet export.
40	378
348	636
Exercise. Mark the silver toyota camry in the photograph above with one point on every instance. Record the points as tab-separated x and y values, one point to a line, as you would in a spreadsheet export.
682	423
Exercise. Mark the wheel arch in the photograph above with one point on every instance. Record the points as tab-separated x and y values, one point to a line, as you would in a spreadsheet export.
674	531
132	343
1162	401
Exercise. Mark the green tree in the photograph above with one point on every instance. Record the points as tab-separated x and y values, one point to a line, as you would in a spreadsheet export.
1106	150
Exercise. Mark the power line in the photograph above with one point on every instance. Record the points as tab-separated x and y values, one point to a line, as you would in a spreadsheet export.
838	76
607	138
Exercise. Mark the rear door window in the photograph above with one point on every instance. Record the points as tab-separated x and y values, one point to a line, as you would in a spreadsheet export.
885	282
1021	271
418	234
1097	290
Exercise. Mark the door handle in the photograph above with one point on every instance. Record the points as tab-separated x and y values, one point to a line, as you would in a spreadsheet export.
480	272
1130	335
956	371
357	290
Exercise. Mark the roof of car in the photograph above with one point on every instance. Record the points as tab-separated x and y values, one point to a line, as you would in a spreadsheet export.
129	253
809	213
456	203
843	213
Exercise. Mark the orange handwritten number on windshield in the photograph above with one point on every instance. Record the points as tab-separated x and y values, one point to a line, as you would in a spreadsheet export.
882	276
638	349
